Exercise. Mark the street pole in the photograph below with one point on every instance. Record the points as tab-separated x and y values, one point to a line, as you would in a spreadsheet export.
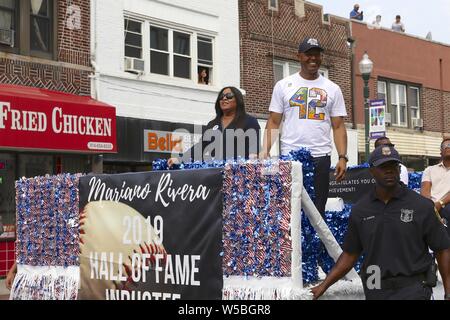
366	77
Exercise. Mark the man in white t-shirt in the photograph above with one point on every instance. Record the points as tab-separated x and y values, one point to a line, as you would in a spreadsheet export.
309	106
398	25
436	183
403	170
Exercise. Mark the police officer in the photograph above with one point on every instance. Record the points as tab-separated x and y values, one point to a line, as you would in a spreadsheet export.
393	227
403	170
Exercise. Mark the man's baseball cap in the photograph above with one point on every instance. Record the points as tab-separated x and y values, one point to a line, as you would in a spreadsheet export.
383	154
308	44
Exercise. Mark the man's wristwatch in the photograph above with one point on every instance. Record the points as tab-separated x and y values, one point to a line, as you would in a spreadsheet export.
343	156
442	204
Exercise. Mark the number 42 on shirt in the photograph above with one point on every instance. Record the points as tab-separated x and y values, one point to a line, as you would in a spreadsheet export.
317	99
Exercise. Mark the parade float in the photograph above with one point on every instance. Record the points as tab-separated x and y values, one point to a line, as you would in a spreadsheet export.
243	230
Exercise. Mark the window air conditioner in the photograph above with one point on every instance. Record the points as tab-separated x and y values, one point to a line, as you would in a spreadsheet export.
134	65
7	37
387	118
417	122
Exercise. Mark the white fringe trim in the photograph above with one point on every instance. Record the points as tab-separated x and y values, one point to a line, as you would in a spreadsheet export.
344	290
271	288
45	283
266	288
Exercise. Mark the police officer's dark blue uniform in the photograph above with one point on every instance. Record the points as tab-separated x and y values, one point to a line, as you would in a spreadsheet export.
393	227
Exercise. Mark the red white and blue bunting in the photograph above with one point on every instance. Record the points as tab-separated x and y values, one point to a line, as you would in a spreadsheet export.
47	244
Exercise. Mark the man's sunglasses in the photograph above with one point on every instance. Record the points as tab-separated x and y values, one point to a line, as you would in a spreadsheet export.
445	145
228	95
385	144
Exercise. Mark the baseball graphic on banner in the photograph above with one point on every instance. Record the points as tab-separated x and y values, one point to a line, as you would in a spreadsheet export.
118	248
151	236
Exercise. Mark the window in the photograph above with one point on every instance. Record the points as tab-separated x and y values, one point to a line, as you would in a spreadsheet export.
282	69
40	25
159	50
278	71
398	104
403	101
162	58
273	5
133	39
381	90
414	102
35	34
172	52
7	22
204	59
323	72
181	55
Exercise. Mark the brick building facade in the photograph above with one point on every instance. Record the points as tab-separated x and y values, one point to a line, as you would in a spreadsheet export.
45	46
412	72
158	99
65	66
269	36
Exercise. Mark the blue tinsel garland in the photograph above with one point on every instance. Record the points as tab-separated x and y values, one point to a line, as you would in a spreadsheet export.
310	240
414	180
337	221
47	221
51	237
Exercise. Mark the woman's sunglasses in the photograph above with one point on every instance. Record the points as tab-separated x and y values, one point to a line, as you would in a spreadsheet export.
228	95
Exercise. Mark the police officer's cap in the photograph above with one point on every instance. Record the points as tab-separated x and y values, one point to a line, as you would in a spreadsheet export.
383	154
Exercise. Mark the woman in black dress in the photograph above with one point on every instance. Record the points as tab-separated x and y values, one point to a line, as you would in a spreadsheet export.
232	134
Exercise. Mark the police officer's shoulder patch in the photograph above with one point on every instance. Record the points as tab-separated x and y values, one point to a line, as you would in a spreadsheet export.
406	215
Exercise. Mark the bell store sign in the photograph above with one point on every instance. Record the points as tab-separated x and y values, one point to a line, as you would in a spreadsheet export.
84	125
178	141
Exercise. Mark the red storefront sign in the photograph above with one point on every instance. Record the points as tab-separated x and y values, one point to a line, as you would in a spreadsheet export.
32	118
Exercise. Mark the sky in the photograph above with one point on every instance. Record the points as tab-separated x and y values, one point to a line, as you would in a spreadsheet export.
418	16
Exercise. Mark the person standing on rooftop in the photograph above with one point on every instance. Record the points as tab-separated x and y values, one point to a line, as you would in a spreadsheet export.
355	14
398	25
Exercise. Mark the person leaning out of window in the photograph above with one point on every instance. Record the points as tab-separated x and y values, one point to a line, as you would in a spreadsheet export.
203	77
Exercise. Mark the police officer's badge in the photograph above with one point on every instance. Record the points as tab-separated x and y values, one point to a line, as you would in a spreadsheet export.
386	151
406	215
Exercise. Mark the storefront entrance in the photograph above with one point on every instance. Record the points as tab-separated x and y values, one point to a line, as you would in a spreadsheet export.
15	165
46	132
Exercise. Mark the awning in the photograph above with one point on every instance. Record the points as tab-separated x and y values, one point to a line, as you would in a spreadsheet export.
40	119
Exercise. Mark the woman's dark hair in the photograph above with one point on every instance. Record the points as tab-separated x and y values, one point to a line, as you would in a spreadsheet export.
200	75
239	117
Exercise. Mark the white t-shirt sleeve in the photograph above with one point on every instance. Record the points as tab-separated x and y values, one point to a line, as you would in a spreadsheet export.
426	175
338	107
276	104
404	175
